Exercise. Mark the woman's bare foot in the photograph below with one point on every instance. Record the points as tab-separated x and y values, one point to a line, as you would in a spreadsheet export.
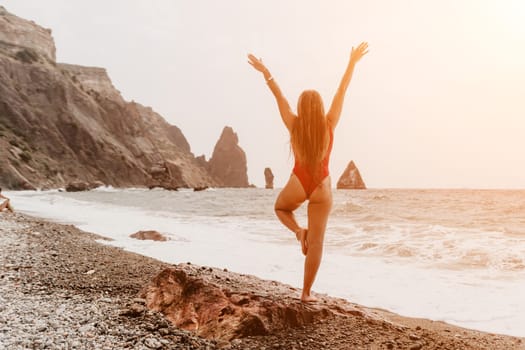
300	234
308	299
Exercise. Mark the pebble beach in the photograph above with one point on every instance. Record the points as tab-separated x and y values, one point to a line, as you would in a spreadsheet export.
62	289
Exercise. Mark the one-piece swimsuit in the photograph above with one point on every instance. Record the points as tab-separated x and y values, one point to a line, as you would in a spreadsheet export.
306	178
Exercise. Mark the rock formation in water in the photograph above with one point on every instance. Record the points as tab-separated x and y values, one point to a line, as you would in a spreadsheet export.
79	186
351	179
228	161
268	178
63	123
149	235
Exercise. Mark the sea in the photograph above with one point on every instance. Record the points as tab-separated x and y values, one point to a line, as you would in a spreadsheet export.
451	255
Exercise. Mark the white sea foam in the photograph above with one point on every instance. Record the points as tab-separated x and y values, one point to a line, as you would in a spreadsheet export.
455	256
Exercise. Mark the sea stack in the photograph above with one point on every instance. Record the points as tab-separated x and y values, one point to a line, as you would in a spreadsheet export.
268	177
228	161
351	179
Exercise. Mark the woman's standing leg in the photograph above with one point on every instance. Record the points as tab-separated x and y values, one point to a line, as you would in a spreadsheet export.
318	210
291	198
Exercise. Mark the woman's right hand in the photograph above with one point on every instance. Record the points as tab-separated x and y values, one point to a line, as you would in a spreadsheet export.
258	64
358	52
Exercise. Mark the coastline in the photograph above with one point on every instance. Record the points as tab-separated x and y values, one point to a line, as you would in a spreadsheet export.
62	289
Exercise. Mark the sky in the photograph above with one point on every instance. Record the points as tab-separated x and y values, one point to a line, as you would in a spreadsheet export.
439	101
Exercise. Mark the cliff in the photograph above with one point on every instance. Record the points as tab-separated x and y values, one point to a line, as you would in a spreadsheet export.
19	36
61	123
351	178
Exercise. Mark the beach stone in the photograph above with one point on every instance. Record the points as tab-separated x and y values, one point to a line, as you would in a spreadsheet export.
152	343
77	186
149	235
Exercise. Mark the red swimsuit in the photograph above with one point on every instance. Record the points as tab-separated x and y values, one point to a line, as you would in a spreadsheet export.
306	178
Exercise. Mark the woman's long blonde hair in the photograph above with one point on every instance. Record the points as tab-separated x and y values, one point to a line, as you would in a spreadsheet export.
310	135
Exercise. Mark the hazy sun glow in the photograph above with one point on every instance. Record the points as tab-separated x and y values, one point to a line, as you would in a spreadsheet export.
514	16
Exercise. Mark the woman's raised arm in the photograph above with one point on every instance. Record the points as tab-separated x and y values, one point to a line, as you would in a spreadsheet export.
334	113
284	108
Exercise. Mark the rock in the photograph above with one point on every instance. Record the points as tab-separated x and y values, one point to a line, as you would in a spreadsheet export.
268	178
96	184
149	235
77	186
228	161
191	298
134	310
351	178
152	343
414	337
61	123
200	188
167	175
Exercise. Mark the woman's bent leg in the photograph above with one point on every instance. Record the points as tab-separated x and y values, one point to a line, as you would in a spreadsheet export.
318	210
290	198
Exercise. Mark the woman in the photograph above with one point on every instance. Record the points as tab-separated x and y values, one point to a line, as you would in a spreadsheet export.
6	204
311	138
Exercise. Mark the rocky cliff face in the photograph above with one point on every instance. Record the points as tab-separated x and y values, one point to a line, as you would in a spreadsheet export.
61	123
228	162
351	178
92	79
18	35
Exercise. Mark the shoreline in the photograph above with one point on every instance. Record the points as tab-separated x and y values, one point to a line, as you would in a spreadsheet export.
49	267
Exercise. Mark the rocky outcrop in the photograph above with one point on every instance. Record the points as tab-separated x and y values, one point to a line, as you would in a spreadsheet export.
268	178
149	235
79	186
62	123
25	39
93	79
351	178
167	175
222	305
228	161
